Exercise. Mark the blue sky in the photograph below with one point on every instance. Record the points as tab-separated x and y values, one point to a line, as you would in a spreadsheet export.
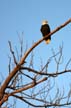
26	16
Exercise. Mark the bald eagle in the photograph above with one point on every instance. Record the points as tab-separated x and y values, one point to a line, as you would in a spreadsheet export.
45	30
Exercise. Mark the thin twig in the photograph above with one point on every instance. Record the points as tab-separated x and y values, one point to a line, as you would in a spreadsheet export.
15	61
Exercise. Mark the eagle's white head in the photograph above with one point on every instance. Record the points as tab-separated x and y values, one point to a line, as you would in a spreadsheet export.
44	22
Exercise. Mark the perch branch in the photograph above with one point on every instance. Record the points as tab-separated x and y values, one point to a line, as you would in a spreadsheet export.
37	43
18	66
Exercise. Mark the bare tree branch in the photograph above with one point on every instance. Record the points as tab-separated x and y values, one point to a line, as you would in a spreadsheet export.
15	75
37	43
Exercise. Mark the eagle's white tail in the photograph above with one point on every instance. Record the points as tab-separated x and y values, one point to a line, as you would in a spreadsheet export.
47	41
